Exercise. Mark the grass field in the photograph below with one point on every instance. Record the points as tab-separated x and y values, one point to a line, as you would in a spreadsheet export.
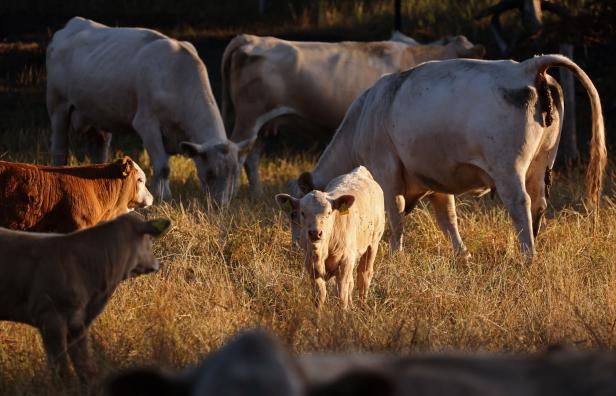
229	269
225	270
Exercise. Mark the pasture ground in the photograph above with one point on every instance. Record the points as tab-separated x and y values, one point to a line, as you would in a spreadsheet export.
229	269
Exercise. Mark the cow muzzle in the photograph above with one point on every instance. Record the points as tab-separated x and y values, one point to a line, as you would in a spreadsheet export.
315	235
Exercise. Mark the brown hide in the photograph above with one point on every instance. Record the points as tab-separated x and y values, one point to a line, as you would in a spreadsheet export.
64	199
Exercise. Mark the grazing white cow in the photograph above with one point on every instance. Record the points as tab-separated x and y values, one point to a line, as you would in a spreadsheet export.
256	364
456	126
266	79
125	79
339	227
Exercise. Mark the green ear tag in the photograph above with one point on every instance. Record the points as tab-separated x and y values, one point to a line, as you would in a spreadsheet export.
162	225
344	209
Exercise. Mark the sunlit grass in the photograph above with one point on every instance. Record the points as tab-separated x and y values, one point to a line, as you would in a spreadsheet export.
228	269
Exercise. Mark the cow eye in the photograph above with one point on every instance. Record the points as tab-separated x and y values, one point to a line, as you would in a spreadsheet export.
303	214
140	180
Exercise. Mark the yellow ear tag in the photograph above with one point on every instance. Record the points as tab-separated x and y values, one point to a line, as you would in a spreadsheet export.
344	209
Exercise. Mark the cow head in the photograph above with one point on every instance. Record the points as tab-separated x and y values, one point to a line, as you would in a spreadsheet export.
218	166
317	211
251	364
463	48
140	196
144	233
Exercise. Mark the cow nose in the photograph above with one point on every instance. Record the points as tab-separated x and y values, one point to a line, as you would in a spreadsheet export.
315	235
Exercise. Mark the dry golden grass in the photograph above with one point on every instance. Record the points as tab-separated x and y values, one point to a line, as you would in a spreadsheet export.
225	270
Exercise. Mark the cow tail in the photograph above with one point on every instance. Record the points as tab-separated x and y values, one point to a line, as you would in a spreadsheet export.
228	111
536	67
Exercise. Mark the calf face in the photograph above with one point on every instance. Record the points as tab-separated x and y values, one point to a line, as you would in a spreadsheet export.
142	197
316	214
218	166
144	261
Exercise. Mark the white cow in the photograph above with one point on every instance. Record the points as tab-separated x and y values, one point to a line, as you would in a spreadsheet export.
456	126
339	227
124	79
267	79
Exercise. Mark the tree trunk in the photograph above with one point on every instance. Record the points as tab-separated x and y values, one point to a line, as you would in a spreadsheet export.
568	148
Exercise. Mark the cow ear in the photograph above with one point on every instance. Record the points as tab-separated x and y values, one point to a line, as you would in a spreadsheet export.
287	203
157	227
144	382
477	52
190	149
245	146
127	166
305	182
343	203
361	383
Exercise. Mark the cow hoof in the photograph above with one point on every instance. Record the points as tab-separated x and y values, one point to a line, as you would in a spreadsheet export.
463	256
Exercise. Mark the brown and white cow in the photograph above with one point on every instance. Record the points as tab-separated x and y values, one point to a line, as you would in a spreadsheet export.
59	283
255	364
265	79
64	199
132	79
450	127
340	227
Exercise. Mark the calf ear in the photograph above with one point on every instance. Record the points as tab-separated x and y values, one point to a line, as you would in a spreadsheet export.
127	166
343	203
362	383
305	182
287	203
190	149
157	228
144	382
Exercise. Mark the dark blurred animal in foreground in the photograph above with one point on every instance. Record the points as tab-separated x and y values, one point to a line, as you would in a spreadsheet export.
255	364
64	199
340	229
59	283
420	135
130	79
266	79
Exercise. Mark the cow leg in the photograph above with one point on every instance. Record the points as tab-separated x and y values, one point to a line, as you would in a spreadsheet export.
517	201
320	291
388	174
59	135
344	280
251	165
148	129
537	190
447	219
54	331
98	146
78	351
365	271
